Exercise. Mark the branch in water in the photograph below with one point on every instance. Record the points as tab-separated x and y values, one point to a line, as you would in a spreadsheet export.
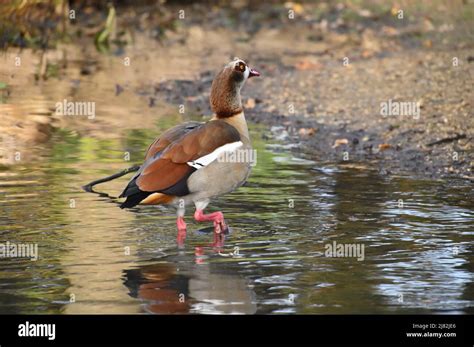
448	139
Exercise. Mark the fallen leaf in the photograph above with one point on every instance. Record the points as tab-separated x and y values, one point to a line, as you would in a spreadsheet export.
390	31
298	8
428	43
428	25
307	65
306	131
250	103
384	146
394	10
367	54
365	13
339	142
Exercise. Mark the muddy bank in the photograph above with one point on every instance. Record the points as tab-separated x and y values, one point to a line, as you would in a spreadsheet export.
339	115
328	72
329	78
335	114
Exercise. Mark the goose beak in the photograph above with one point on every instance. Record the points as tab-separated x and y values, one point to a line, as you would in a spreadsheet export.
253	73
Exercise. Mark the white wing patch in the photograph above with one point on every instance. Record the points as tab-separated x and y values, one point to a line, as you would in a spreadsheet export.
209	158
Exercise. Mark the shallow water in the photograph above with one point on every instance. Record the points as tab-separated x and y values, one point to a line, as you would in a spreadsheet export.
96	258
418	257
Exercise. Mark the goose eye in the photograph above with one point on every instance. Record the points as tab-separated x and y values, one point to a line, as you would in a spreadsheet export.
240	67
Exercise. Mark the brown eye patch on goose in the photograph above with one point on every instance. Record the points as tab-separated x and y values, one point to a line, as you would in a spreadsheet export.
240	67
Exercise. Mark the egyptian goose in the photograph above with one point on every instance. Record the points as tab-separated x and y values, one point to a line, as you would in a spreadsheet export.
184	165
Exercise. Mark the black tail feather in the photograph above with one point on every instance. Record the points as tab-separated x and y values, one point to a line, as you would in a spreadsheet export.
133	194
134	199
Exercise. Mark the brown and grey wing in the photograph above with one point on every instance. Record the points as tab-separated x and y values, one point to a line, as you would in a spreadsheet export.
169	136
167	171
132	191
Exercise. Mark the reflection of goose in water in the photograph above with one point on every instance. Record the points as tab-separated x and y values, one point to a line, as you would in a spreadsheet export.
194	288
160	287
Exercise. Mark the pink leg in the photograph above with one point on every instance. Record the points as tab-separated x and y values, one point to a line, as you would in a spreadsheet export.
216	217
181	224
181	231
218	243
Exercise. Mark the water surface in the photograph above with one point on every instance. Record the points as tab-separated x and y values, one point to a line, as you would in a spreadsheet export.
418	258
96	258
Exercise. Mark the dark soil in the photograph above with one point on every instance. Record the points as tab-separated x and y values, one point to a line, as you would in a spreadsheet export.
325	74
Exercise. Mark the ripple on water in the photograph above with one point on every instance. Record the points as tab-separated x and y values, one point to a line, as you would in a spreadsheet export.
282	221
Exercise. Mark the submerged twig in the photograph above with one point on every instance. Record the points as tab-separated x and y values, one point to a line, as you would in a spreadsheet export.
447	139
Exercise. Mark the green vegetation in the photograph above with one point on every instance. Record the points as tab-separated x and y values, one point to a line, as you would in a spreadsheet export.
32	23
102	37
3	92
